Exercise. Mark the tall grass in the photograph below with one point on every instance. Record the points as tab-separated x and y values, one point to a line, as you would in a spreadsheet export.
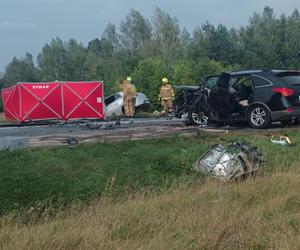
56	177
261	213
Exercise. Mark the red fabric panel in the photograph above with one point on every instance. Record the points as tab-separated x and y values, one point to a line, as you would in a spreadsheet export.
54	100
83	100
6	98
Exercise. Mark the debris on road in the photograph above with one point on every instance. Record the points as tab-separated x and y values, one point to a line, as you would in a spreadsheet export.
283	140
72	141
233	161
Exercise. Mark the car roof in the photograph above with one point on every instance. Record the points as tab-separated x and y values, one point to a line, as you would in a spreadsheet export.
259	70
121	94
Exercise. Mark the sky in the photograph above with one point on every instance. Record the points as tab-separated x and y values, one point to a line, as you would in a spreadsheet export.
27	25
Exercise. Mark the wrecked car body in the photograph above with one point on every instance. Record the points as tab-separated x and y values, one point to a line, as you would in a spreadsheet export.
114	104
188	104
257	97
230	162
192	102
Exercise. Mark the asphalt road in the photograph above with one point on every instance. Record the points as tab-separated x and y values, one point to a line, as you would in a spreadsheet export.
14	137
39	130
20	137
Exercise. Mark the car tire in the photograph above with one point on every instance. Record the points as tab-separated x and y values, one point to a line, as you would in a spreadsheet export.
198	119
259	117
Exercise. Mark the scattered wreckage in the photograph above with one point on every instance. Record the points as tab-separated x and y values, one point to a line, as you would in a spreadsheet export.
230	162
283	140
258	97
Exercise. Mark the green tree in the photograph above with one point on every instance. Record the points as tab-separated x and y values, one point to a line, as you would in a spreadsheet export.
110	33
20	70
198	45
183	72
218	43
147	77
99	60
135	31
167	36
52	61
207	67
74	60
260	41
291	45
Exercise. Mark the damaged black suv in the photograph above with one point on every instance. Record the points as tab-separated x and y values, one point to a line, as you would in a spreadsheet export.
258	96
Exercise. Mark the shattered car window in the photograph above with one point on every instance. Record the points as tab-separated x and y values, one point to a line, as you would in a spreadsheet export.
260	82
211	81
111	99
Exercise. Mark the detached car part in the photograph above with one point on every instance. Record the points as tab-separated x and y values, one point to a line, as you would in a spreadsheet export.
234	161
283	140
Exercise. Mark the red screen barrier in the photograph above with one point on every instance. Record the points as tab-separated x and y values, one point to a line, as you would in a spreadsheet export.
54	100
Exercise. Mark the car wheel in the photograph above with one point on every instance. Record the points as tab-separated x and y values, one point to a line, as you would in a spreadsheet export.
197	118
259	117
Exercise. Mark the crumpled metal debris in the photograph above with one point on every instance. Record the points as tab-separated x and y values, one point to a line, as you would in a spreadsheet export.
283	140
233	161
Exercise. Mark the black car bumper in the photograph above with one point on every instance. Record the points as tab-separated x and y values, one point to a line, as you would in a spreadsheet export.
285	115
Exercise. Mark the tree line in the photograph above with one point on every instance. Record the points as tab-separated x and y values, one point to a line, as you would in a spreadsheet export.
149	50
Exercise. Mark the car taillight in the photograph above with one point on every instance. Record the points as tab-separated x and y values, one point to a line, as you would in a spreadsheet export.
284	91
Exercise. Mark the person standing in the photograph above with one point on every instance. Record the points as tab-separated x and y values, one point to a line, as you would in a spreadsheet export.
166	96
129	95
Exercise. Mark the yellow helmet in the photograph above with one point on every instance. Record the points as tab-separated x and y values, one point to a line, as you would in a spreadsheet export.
165	80
129	78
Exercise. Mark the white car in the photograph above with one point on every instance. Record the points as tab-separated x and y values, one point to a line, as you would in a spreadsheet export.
114	104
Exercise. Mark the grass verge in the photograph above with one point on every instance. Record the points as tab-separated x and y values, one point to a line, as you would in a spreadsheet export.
262	213
52	178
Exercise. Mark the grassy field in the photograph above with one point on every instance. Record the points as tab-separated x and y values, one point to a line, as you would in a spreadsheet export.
58	176
258	214
143	194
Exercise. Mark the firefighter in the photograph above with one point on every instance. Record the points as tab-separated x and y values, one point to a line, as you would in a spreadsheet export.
129	95
135	94
166	96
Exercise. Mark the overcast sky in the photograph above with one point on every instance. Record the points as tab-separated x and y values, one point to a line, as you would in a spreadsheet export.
26	25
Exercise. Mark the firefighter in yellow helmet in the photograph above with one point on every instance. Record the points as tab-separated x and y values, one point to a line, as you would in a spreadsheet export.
129	96
166	96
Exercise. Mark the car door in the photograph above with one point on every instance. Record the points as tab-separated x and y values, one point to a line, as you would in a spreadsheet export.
219	95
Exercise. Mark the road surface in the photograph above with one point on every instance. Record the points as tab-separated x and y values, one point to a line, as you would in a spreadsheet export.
125	129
